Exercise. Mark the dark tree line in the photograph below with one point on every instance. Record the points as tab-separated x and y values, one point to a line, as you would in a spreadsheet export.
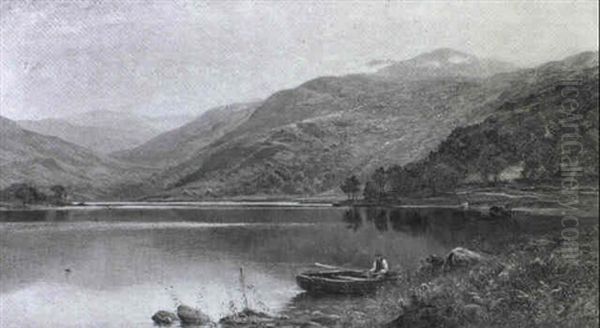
28	194
411	180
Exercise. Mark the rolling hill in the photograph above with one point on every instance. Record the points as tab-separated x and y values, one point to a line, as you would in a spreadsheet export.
105	131
26	156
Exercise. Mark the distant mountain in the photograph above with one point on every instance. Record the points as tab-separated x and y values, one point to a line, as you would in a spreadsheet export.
124	121
305	140
444	63
100	139
180	144
380	62
165	123
105	131
26	156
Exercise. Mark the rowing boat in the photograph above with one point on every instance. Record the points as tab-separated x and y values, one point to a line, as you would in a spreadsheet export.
342	282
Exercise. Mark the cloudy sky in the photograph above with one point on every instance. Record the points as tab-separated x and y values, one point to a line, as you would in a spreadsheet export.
66	57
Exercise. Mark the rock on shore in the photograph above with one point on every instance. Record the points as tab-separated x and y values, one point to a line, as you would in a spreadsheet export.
189	315
164	318
456	258
462	257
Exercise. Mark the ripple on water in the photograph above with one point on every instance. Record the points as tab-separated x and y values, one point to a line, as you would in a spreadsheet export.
104	226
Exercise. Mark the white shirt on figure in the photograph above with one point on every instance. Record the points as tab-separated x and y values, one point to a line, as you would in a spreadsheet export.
384	264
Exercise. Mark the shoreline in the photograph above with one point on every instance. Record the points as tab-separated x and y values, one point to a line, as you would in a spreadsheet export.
515	200
546	211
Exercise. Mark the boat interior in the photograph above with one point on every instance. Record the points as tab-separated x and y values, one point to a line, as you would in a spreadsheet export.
341	275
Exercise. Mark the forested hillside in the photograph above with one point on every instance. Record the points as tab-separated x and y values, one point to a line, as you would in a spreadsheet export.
549	123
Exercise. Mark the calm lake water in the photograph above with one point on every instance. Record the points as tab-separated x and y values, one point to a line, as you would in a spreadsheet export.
116	267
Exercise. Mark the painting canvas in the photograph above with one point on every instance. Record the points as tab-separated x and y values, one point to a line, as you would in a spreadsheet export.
298	163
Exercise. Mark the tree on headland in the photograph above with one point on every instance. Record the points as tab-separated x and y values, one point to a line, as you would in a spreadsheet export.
370	191
491	163
398	180
60	194
26	193
351	187
441	177
380	179
407	180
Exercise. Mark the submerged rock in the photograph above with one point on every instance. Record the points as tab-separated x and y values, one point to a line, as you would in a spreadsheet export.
164	318
189	315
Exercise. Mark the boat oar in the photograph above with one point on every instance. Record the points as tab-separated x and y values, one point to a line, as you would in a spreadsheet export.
333	267
327	266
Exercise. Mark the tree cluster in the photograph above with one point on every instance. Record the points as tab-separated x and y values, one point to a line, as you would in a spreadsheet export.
351	187
27	194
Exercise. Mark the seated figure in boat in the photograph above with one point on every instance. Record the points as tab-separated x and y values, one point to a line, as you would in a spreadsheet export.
380	267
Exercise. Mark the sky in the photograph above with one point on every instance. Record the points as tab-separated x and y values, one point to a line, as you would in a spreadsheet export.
61	58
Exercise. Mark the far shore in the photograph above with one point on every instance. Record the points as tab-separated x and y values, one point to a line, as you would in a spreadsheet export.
543	203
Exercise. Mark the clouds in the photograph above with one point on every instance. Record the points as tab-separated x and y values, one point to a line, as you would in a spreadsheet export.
183	56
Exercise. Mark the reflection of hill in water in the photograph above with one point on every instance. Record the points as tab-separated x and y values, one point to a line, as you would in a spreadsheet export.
450	227
34	216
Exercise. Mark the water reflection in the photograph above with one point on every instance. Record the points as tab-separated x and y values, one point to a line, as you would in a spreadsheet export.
79	268
449	226
34	215
353	219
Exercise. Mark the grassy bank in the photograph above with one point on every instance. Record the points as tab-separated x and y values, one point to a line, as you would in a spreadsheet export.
529	283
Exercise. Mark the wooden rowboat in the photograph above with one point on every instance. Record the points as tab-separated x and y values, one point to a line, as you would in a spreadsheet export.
342	282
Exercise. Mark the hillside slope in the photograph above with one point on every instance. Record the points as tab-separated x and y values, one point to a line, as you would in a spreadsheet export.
26	156
325	134
178	145
542	135
100	139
